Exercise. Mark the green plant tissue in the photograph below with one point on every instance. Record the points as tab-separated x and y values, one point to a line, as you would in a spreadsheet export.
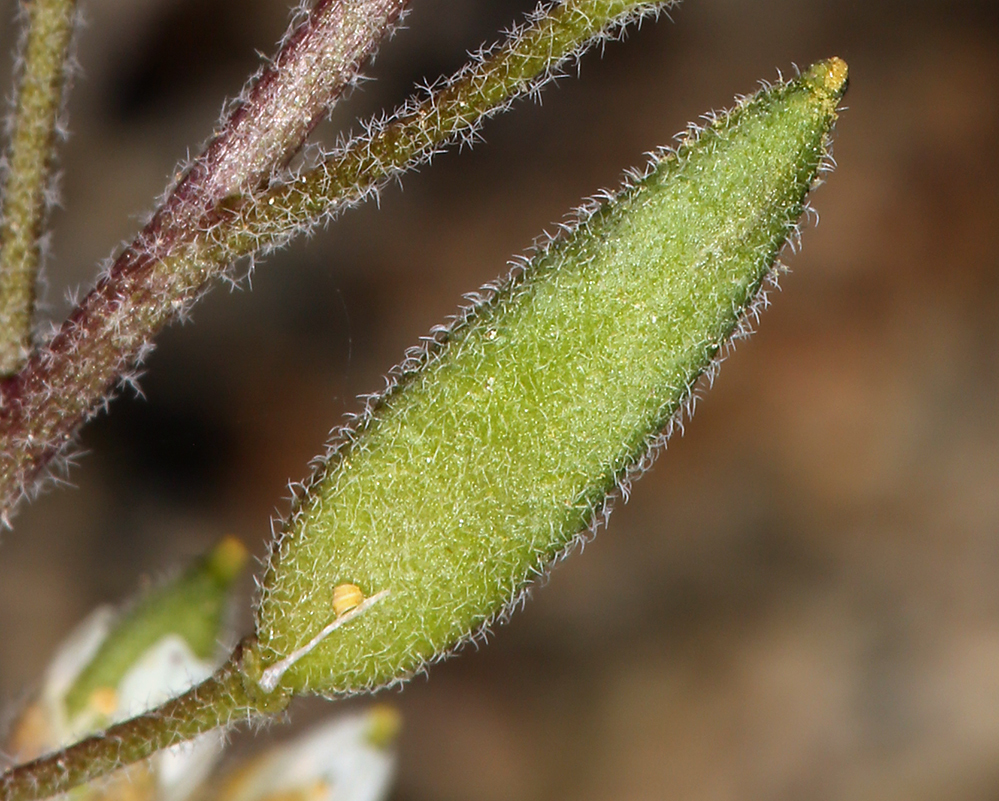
191	606
501	442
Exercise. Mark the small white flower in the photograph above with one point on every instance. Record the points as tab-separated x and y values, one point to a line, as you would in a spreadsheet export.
166	669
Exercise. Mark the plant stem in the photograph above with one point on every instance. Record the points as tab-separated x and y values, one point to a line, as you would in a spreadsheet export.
67	380
171	263
526	61
222	700
48	31
270	123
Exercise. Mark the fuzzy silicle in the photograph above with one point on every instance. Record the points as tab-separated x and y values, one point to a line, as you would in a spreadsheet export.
501	442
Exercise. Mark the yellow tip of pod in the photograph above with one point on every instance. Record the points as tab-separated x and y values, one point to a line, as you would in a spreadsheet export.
384	725
104	701
828	78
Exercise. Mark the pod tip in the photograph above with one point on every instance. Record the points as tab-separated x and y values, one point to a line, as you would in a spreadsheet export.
830	77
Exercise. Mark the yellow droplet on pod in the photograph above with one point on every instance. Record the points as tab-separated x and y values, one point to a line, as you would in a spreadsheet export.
346	597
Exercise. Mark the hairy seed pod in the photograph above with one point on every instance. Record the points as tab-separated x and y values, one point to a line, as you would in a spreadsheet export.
501	443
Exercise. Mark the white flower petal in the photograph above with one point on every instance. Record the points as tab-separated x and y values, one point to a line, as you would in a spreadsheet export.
165	670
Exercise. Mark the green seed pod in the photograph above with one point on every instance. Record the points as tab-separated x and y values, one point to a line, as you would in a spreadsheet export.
501	442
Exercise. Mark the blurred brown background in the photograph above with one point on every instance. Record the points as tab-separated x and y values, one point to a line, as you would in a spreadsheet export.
802	598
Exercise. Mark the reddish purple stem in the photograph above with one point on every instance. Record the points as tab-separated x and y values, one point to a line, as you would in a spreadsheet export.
70	377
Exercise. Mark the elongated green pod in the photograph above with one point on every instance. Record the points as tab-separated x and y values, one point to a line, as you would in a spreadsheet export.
501	441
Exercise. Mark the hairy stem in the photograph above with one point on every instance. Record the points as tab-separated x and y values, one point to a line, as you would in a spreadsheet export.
525	62
168	267
222	700
49	29
269	125
42	406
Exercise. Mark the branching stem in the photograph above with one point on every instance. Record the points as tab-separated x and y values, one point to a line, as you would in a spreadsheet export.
526	61
48	31
68	379
200	231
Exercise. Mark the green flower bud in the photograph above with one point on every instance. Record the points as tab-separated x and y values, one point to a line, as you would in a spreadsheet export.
502	441
190	608
116	665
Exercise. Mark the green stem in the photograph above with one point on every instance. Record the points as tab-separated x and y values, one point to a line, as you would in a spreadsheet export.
29	163
529	58
222	700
